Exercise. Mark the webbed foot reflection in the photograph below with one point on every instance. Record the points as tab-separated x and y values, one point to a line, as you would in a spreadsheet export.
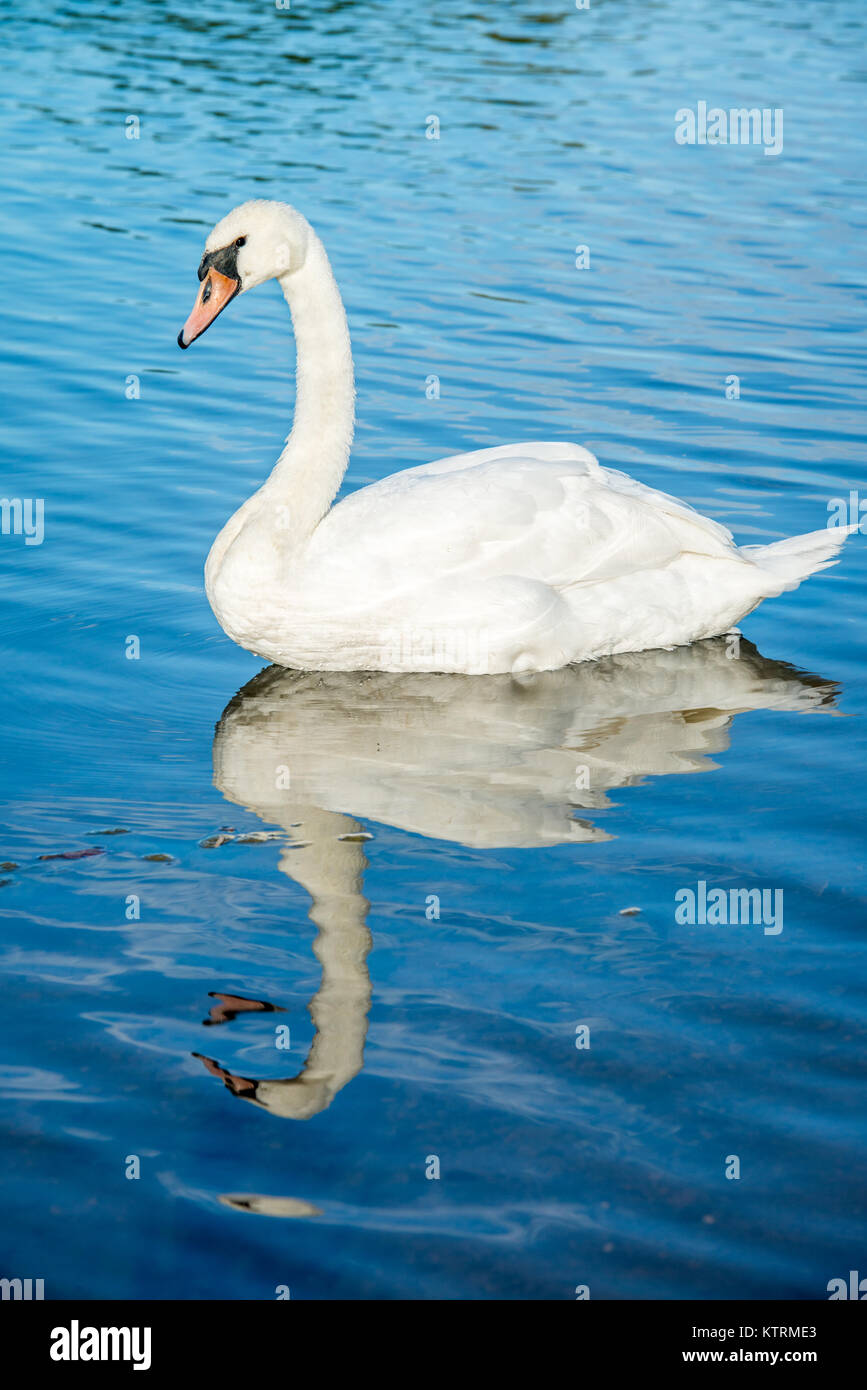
231	1005
330	868
483	761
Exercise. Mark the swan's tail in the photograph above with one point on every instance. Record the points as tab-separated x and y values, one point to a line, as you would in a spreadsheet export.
791	560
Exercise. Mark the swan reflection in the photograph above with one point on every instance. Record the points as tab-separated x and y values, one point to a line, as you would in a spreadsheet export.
484	761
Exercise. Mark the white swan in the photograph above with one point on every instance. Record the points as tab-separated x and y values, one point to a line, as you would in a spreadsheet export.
517	558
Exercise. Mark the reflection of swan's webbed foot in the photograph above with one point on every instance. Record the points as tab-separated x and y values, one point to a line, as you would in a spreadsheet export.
239	1085
233	1004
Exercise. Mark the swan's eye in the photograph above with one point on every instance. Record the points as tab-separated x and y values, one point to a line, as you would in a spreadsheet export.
241	241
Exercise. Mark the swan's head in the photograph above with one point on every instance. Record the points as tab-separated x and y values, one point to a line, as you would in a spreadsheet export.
254	243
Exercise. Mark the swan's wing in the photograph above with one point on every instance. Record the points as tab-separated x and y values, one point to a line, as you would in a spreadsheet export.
545	512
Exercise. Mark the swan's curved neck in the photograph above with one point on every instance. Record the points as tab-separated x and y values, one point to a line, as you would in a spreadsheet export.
308	473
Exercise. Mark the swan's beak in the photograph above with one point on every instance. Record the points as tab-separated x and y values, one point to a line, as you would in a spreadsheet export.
216	291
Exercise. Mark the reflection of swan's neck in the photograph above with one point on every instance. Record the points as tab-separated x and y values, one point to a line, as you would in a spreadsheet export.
308	473
480	760
331	871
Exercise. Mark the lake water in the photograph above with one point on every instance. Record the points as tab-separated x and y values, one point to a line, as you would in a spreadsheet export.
437	905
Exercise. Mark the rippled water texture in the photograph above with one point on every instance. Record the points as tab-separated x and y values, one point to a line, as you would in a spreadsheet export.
437	904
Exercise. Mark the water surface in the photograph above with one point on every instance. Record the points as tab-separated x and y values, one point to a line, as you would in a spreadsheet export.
437	903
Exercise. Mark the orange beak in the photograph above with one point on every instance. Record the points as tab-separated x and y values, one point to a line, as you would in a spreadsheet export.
214	295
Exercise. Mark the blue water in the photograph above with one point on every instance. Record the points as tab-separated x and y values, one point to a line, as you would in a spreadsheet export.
473	921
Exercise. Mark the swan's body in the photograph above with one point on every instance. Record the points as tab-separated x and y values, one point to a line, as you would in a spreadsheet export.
517	558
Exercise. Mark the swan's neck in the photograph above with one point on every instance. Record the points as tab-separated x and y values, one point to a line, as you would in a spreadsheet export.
308	473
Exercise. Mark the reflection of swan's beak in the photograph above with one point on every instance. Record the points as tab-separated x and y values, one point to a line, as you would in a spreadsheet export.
240	1085
330	868
215	293
484	761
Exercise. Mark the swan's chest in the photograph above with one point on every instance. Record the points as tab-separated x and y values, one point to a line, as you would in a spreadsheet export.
245	581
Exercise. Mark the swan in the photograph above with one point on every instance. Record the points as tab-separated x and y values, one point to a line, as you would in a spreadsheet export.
517	558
